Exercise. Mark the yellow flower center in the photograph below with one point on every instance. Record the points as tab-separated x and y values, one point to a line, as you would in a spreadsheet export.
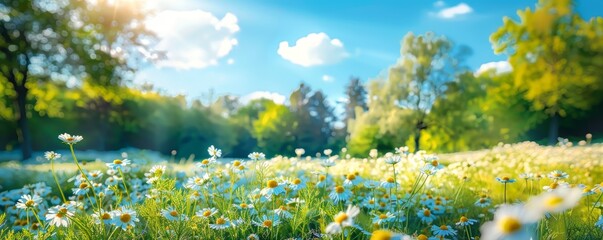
174	213
220	221
117	161
30	203
340	218
205	162
351	177
434	163
381	235
243	205
554	201
35	226
125	218
554	185
382	216
241	167
207	213
382	204
284	208
339	189
236	163
371	201
272	184
83	185
426	213
297	181
557	175
106	216
464	219
509	225
443	227
422	237
505	178
391	180
322	178
267	223
482	200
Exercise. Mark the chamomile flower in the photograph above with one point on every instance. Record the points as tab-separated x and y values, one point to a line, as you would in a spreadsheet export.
283	212
443	231
426	216
125	218
556	201
342	220
195	183
352	180
510	222
59	216
119	164
221	223
172	215
390	182
557	175
253	236
383	218
505	179
102	216
256	156
393	160
383	234
267	221
273	188
51	155
327	163
340	194
155	173
206	212
28	202
464	221
70	139
297	184
214	152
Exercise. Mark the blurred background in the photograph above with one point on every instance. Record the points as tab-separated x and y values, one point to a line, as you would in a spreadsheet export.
174	77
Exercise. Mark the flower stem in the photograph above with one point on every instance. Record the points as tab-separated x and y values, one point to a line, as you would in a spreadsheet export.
56	180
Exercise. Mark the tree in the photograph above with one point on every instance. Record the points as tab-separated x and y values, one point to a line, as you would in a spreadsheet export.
356	98
551	50
40	41
426	64
273	129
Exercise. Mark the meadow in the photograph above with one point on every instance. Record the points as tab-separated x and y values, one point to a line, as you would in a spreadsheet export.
517	191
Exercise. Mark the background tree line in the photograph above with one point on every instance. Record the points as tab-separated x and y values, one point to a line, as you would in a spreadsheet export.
57	76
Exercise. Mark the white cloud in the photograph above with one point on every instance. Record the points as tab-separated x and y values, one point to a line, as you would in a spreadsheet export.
454	11
499	67
275	97
193	38
327	78
314	49
230	61
439	4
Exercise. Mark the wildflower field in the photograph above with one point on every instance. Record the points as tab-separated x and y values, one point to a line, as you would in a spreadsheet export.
519	191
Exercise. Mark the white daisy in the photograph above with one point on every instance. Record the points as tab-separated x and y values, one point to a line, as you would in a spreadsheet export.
342	220
256	156
510	222
267	221
51	155
119	164
214	152
206	212
340	194
59	216
69	139
221	223
273	188
125	218
172	215
28	202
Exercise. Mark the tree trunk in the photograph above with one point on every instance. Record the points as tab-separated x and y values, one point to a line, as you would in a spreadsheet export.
22	123
554	129
417	140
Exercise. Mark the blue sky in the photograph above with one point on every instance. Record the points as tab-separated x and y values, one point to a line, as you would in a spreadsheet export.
238	47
